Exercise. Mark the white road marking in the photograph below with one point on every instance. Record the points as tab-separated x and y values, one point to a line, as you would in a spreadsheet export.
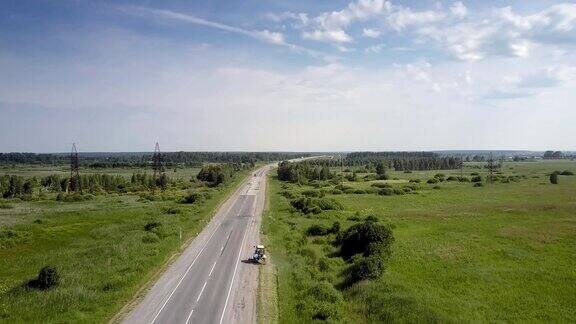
184	276
201	291
212	269
233	276
189	316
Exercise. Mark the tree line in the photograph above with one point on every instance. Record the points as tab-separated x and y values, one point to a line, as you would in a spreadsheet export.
143	159
14	186
301	172
404	161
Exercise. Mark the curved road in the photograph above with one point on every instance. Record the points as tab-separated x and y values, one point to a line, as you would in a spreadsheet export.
209	282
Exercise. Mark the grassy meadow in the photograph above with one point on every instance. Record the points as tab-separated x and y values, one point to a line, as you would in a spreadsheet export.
104	248
502	252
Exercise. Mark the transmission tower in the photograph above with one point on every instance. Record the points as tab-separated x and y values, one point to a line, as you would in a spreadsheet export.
75	183
157	163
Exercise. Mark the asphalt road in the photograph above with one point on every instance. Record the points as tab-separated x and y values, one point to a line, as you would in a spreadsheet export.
203	284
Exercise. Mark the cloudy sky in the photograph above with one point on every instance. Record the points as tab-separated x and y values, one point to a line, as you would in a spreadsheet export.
295	75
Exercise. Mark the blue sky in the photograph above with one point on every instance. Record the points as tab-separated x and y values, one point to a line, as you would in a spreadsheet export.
287	75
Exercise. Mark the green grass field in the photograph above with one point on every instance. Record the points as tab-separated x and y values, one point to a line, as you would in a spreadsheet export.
99	246
504	252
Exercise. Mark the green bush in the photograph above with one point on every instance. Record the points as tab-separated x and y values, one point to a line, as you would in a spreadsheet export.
172	211
362	268
48	277
336	192
478	184
381	185
192	197
476	178
432	180
316	230
463	179
309	205
314	193
451	178
359	237
567	173
151	226
554	178
415	180
386	192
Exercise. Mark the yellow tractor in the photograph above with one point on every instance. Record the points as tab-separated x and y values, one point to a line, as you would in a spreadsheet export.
259	254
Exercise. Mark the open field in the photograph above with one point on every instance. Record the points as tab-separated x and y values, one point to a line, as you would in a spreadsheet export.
101	248
500	252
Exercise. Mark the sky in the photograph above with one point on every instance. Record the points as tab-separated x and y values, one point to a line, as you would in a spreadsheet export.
298	75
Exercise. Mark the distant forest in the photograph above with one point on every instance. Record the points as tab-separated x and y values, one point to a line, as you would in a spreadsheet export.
128	159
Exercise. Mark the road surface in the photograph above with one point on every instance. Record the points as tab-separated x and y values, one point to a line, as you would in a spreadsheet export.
212	280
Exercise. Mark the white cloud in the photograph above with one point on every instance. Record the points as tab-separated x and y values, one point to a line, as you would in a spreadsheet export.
402	17
271	37
371	33
338	36
374	49
333	26
267	36
459	10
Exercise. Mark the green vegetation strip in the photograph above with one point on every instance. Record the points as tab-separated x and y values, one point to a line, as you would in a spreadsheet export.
500	252
103	249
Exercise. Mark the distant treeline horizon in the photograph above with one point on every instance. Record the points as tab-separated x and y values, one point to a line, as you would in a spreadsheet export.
119	159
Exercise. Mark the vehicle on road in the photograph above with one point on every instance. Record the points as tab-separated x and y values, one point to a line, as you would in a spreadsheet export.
259	254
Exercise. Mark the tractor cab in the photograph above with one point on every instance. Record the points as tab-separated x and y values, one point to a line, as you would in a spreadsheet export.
259	254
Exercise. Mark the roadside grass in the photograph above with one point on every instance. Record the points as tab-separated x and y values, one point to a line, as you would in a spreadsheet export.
100	247
499	253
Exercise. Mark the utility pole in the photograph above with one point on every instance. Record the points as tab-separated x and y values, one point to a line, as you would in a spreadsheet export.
74	171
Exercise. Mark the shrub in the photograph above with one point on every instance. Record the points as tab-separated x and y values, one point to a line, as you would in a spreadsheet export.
415	180
436	187
336	192
381	185
463	179
172	211
48	277
370	267
359	191
316	230
478	184
476	178
359	237
6	206
451	178
567	173
191	198
398	191
151	226
313	193
386	192
309	205
432	181
554	178
440	176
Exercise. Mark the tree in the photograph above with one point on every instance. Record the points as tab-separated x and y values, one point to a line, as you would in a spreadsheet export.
554	178
381	170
